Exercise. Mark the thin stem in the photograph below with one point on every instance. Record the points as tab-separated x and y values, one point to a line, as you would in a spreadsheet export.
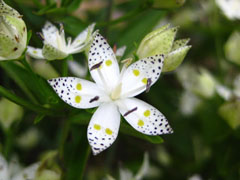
8	141
13	75
64	135
64	68
108	15
36	108
84	161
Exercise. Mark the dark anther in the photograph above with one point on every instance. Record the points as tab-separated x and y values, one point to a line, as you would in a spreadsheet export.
61	27
149	82
96	66
94	99
16	38
40	35
130	111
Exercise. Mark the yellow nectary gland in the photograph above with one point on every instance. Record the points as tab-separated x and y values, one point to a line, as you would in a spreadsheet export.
116	92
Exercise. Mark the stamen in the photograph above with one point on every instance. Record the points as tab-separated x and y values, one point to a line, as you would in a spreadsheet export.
96	66
115	48
127	61
61	27
40	35
130	111
96	98
149	82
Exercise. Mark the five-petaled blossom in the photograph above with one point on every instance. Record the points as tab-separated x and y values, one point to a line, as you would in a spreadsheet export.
55	45
114	91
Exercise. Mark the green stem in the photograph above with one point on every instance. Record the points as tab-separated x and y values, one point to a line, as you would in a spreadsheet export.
64	135
77	160
64	68
83	164
36	108
8	142
18	81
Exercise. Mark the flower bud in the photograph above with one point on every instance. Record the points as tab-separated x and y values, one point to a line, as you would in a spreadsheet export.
9	112
230	112
13	33
232	48
161	41
48	175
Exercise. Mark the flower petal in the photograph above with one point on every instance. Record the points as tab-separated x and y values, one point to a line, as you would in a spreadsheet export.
142	74
83	38
144	117
103	127
77	92
50	33
4	173
35	52
103	64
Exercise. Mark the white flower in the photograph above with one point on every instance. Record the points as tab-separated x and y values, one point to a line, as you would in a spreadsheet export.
126	174
231	8
55	45
114	91
7	171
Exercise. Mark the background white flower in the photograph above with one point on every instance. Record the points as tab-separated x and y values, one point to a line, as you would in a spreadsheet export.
55	45
7	171
231	8
113	92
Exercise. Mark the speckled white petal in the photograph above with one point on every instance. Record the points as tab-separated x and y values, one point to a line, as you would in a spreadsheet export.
103	127
4	173
35	52
103	64
27	174
141	75
144	117
77	92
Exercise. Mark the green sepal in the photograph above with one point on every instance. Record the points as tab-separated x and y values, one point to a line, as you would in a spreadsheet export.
175	58
52	53
159	41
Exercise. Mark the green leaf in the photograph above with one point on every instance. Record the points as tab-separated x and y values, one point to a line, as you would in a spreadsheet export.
33	84
29	35
45	9
138	29
39	118
74	5
74	25
22	102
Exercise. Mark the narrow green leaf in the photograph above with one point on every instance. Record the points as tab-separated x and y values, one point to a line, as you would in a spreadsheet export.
74	5
36	108
38	118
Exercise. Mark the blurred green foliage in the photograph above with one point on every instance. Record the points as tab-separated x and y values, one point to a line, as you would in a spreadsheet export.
205	142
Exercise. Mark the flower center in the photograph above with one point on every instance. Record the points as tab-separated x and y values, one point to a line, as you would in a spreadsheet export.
116	92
